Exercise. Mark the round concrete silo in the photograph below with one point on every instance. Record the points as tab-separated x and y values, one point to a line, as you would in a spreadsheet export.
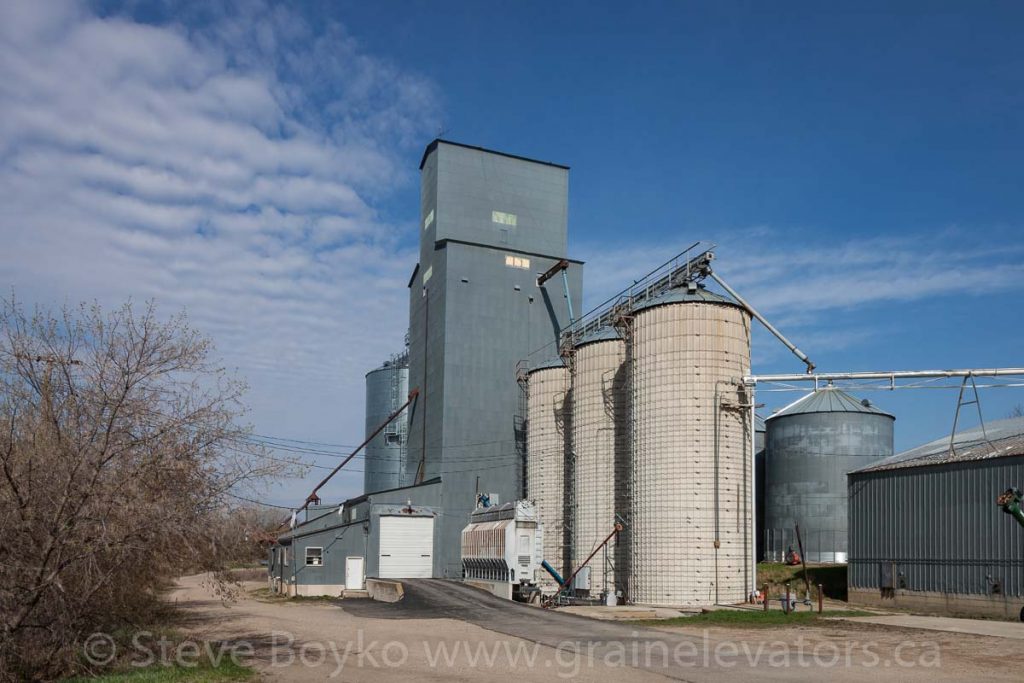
600	456
547	443
690	536
387	388
811	445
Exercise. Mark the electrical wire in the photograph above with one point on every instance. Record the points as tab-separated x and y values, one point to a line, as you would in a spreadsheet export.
257	502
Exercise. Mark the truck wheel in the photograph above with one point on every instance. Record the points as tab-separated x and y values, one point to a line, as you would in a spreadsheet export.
1022	613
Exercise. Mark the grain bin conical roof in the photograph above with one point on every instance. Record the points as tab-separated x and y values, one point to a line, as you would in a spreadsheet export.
829	400
547	363
685	295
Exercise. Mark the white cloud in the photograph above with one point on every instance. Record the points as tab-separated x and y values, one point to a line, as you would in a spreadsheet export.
233	166
806	289
782	276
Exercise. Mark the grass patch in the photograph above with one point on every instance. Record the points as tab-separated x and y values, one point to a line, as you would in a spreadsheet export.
751	618
203	673
266	595
832	578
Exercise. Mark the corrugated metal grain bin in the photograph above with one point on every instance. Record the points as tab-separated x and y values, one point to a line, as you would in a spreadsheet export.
810	446
600	455
690	531
387	388
926	533
547	441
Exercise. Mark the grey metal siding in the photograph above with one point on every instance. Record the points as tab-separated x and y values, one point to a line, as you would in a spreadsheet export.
472	184
808	457
939	527
475	319
386	389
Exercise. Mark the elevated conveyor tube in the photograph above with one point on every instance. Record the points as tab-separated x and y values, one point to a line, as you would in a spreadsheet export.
554	574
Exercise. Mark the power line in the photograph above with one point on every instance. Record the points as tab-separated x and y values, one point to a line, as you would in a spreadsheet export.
257	502
313	451
311	443
500	456
269	441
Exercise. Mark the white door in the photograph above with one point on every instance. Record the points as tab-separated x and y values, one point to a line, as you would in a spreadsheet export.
354	573
406	548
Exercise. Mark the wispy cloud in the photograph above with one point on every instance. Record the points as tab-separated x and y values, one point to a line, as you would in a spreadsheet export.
234	166
802	285
783	275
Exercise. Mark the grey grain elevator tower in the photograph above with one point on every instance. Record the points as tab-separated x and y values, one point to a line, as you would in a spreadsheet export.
490	224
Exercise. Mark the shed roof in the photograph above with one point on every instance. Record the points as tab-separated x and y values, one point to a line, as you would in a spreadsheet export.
828	399
1005	439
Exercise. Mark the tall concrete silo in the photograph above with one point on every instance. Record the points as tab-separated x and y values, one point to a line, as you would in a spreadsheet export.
547	444
690	536
811	445
600	456
387	388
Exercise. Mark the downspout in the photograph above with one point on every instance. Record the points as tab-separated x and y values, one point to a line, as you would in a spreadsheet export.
753	493
568	297
421	469
771	328
718	542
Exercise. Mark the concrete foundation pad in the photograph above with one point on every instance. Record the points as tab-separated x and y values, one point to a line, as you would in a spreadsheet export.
384	590
350	593
624	612
981	627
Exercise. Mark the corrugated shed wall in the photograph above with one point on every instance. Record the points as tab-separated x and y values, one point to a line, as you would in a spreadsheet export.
938	527
600	456
546	473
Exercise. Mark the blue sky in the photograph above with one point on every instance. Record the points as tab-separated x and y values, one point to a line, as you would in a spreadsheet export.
858	165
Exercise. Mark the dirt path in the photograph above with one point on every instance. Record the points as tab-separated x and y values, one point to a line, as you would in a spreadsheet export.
318	641
474	640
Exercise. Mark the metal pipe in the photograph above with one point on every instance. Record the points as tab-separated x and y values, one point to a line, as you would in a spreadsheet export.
568	297
771	328
554	573
753	492
894	374
617	529
718	542
312	496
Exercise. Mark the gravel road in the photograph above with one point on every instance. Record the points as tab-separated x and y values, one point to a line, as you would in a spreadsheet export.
446	631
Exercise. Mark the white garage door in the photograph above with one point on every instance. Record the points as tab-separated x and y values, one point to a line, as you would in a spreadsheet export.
406	548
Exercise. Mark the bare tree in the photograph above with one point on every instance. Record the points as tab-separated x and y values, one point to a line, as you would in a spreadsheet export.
119	438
